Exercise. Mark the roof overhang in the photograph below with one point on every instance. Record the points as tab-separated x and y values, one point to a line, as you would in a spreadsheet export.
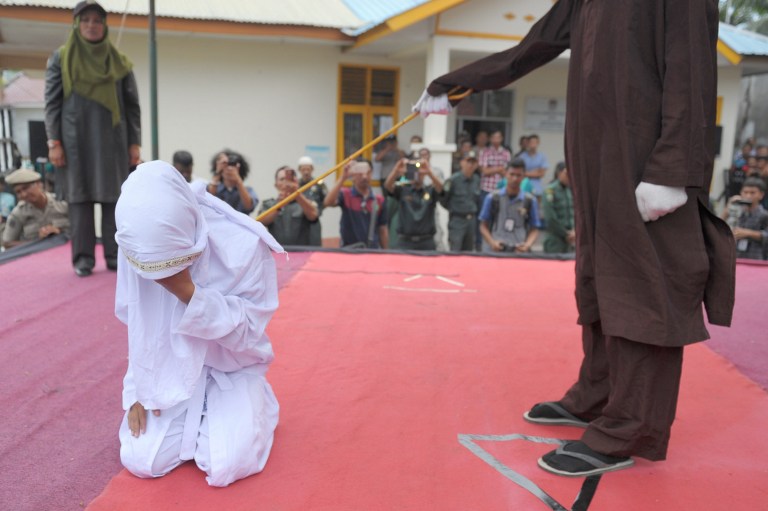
25	51
405	20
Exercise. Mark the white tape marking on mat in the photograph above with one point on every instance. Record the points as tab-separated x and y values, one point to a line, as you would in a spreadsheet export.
449	281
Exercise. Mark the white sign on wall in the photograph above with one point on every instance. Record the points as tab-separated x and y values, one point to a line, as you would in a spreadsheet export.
545	114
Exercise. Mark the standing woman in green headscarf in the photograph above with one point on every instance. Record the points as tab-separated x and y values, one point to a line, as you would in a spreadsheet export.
93	123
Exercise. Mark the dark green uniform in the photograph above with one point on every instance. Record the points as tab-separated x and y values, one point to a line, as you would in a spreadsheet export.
290	226
558	217
461	198
416	226
317	194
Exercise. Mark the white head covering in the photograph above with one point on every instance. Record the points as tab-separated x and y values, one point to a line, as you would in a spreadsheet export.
161	230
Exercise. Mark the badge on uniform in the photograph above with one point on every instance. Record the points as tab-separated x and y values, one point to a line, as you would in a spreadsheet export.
426	196
509	225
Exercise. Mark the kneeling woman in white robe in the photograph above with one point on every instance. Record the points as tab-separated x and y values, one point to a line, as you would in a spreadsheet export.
196	287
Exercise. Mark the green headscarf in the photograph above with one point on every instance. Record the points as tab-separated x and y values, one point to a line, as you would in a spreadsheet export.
92	69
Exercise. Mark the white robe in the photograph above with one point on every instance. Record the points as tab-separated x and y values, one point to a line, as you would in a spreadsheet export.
217	406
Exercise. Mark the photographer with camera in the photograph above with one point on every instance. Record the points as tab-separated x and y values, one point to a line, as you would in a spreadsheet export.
416	202
509	218
363	213
228	184
291	224
749	220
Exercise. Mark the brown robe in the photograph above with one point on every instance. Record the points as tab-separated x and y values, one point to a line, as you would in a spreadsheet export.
640	107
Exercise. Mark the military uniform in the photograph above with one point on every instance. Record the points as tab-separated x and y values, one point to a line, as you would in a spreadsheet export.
25	221
316	193
290	226
460	197
558	217
416	226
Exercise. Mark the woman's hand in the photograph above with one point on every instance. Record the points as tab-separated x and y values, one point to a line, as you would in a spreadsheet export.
137	419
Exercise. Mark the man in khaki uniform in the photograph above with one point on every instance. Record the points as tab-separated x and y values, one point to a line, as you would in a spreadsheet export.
37	215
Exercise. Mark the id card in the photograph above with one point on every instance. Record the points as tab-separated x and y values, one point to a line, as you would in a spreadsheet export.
742	245
509	225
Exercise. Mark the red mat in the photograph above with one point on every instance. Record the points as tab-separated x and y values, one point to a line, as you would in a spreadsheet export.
384	360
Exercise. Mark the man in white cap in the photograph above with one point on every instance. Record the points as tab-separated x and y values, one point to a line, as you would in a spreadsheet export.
37	215
196	306
316	194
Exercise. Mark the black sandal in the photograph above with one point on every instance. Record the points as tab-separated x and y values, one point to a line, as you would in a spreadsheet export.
552	413
576	459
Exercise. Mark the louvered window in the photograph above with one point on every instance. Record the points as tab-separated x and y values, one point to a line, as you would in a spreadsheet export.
353	85
367	106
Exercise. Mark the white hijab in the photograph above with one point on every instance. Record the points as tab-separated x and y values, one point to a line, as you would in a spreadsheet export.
161	230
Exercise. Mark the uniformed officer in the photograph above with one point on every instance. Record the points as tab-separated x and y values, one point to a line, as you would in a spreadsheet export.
416	203
509	219
316	194
291	224
37	215
461	195
558	214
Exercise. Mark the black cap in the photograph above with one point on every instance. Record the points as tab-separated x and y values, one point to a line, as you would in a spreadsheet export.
88	4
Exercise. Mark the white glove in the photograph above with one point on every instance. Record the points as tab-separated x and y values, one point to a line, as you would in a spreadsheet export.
655	201
432	105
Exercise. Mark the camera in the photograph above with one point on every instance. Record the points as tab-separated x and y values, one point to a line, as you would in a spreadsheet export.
233	160
411	169
735	210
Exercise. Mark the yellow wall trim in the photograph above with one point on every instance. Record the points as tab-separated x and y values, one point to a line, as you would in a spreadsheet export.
719	114
732	57
478	35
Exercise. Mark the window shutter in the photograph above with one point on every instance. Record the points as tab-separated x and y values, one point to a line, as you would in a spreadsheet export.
383	87
353	85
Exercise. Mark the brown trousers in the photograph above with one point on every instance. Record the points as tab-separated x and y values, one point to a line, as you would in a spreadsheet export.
628	390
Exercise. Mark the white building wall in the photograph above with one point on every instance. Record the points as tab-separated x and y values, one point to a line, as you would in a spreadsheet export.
20	119
729	88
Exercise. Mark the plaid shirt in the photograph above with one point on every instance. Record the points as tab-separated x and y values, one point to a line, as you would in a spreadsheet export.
491	157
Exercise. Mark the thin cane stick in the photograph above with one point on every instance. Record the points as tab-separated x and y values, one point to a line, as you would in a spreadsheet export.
122	24
354	155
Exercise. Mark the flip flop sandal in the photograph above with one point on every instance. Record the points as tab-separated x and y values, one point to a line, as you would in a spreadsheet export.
576	459
552	413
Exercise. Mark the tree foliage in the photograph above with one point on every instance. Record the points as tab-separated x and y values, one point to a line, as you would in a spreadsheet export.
749	14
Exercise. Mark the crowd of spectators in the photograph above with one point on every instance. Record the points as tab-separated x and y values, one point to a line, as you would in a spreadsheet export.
494	200
746	209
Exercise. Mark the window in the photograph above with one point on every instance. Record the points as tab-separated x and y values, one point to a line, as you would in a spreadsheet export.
489	111
367	106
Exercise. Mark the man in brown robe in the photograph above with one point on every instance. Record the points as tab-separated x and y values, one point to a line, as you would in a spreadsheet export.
640	148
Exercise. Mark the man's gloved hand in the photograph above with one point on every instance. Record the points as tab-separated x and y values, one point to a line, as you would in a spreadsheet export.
655	201
432	105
